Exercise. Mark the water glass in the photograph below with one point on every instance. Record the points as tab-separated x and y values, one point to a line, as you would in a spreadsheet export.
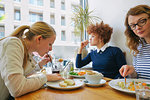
142	91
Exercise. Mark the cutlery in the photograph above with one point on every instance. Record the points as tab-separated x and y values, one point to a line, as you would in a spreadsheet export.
50	59
125	82
65	66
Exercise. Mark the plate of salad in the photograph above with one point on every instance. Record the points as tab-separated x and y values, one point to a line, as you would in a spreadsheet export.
77	74
119	84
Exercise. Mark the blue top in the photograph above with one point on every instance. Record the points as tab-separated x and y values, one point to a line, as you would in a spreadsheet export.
107	62
141	61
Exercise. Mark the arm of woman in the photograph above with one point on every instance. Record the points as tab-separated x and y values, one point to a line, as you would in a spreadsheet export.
82	62
13	73
120	60
79	62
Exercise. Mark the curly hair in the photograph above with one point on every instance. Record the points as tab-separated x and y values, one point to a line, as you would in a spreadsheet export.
104	31
133	40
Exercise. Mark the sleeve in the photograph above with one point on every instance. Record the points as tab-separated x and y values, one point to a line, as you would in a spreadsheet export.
82	62
13	72
134	74
37	67
120	60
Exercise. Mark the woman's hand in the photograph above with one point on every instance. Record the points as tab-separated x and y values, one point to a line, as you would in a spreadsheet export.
83	44
126	70
53	77
45	59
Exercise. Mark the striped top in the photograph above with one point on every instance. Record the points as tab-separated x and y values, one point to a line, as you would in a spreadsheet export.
141	62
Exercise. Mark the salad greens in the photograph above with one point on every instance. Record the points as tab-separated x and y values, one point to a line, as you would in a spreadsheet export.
73	73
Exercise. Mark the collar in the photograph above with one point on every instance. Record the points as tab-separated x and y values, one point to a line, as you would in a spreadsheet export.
103	48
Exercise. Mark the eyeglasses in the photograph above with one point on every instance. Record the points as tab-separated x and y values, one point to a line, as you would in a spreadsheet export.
140	23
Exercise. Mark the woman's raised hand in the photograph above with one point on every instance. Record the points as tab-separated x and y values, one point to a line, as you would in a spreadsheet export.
45	59
83	44
126	70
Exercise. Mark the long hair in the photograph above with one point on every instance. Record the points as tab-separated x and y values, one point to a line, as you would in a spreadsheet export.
38	28
133	40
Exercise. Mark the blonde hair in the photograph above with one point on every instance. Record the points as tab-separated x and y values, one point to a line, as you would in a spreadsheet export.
38	28
133	40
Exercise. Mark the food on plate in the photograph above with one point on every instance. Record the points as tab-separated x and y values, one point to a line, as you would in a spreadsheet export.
67	82
62	84
131	85
73	73
81	73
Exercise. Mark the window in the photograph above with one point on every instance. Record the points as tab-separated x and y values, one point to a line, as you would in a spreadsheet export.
63	23
62	4
32	2
52	3
75	38
52	19
17	15
17	0
35	17
36	2
40	2
2	12
2	31
63	36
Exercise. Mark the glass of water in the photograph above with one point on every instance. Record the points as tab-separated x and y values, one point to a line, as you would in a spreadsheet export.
142	90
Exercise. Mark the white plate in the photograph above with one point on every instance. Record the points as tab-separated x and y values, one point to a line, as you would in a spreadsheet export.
78	83
102	82
113	84
77	76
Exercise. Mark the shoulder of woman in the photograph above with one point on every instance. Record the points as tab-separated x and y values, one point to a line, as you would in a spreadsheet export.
114	48
13	41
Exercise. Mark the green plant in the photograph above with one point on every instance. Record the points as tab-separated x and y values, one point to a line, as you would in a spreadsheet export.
1	16
81	19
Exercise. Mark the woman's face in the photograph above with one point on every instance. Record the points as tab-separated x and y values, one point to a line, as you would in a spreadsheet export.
140	24
45	45
94	39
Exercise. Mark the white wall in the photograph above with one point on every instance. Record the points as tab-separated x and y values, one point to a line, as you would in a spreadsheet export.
113	12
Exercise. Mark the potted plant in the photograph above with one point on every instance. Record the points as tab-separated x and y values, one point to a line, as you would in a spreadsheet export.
82	18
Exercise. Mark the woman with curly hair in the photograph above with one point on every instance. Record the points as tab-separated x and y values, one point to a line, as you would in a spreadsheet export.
106	59
138	40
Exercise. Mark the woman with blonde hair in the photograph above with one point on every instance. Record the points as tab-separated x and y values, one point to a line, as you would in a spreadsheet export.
138	40
16	59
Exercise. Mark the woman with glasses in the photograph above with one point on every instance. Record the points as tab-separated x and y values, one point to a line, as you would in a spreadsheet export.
106	59
138	40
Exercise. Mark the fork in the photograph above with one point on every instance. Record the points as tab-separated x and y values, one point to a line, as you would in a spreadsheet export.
125	81
50	59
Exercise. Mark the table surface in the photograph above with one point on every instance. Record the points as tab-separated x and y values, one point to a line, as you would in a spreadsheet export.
104	92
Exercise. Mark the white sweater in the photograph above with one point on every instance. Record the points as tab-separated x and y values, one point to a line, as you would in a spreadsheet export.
13	78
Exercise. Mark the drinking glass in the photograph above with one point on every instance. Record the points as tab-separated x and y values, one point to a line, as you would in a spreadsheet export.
142	90
56	67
